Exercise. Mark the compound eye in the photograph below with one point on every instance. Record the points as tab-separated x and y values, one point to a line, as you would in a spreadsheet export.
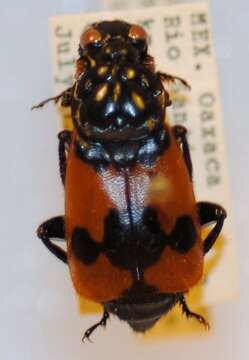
137	32
90	36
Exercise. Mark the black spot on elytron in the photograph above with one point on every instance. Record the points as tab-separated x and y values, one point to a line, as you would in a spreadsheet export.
184	235
84	247
137	245
150	221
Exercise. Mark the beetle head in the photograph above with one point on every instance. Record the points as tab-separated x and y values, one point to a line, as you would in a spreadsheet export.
117	95
110	42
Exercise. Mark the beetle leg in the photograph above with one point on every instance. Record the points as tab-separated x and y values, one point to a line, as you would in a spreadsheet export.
53	228
210	212
65	97
186	311
102	322
180	133
172	79
64	143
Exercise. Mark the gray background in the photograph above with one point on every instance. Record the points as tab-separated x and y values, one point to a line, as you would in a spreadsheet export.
33	325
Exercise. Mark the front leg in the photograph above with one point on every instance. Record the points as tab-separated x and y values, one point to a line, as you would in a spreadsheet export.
53	228
172	78
209	213
180	133
65	97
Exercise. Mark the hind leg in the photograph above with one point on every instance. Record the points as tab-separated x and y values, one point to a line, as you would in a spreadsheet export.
209	213
186	311
53	228
102	322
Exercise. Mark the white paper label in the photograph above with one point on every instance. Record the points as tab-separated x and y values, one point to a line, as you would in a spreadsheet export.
135	4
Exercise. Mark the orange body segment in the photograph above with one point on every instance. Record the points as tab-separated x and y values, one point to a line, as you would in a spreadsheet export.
165	187
89	198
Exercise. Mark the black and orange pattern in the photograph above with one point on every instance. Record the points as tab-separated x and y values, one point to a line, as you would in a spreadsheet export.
132	224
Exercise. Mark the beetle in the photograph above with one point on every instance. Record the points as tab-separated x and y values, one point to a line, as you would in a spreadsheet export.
132	225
